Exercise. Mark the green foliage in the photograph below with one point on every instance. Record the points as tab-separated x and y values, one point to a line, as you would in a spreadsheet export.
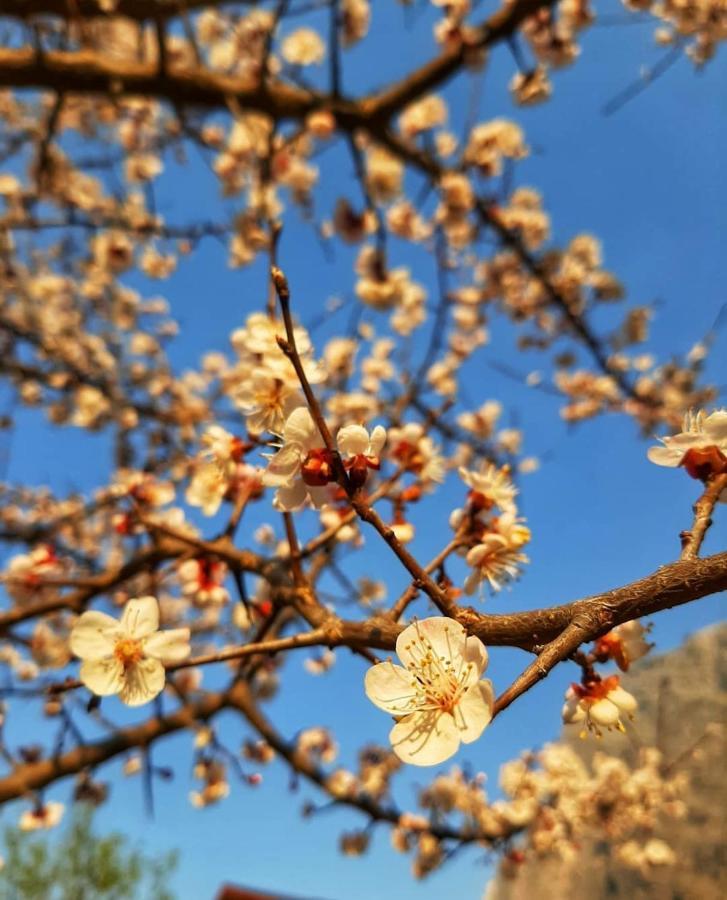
81	866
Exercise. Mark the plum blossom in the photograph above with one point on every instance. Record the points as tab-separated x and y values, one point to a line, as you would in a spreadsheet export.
46	815
360	450
624	644
598	704
497	556
701	446
26	573
417	453
304	47
304	467
437	697
127	657
220	471
490	487
203	581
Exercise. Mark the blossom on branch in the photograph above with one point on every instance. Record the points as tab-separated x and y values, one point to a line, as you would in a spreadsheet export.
304	467
360	450
701	446
597	704
45	815
497	557
624	644
437	697
127	657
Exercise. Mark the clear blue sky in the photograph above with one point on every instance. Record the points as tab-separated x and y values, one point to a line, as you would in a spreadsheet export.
650	182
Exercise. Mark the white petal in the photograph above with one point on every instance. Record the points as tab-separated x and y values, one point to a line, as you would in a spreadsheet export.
168	646
389	687
572	709
103	676
472	582
378	439
141	617
490	543
352	440
94	635
290	497
301	429
446	637
623	700
603	712
665	456
283	467
715	425
425	739
473	713
476	652
142	682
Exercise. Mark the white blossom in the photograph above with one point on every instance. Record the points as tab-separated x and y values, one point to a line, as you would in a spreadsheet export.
437	696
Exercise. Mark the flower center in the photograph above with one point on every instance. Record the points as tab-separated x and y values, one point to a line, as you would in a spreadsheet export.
704	462
128	651
438	683
317	468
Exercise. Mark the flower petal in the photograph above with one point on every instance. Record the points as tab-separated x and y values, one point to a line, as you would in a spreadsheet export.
444	636
290	497
141	617
352	440
473	713
142	682
603	712
476	652
301	429
623	700
389	687
103	676
168	646
715	425
282	467
378	439
94	635
425	738
665	456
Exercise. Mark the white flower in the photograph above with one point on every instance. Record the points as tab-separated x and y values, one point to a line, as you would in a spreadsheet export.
127	657
302	467
701	446
354	440
416	452
207	488
303	47
46	816
26	572
266	400
360	450
625	644
497	558
203	580
317	665
438	698
598	704
492	484
658	853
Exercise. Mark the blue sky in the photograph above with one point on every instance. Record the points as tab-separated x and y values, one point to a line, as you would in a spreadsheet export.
650	182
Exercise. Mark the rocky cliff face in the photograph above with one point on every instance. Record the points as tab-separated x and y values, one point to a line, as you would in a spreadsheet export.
681	695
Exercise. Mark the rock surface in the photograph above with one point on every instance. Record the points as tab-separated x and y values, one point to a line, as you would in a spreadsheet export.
681	694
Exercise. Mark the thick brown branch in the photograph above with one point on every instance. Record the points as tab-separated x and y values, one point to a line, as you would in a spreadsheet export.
35	776
139	10
500	26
